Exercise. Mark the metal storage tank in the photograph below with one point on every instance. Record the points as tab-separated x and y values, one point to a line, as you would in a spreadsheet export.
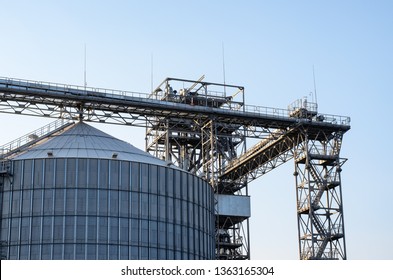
83	194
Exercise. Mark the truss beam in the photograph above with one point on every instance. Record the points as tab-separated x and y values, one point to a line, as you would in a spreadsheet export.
119	107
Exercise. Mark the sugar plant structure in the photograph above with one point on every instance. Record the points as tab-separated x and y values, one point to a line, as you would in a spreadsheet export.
70	191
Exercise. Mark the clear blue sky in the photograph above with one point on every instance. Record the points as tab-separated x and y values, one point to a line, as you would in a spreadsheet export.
270	48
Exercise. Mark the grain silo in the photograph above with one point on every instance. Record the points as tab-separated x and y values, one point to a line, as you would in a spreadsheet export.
83	194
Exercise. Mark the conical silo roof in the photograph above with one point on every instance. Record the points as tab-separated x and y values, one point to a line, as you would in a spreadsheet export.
85	141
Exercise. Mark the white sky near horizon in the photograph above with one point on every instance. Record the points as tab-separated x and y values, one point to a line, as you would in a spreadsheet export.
270	49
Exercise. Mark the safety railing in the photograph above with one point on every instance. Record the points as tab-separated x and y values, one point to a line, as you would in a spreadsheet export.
32	136
22	83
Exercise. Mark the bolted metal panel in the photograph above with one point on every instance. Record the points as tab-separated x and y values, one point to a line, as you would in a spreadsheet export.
74	207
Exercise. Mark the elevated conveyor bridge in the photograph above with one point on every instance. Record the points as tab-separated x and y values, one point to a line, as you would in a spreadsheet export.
266	155
132	108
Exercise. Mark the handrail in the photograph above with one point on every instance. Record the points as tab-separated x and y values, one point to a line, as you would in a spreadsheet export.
32	136
67	87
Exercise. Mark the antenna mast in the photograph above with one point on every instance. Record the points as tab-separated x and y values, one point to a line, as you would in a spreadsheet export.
315	85
85	82
151	72
223	67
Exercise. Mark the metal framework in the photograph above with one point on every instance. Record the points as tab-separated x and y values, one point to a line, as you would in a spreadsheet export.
202	127
204	146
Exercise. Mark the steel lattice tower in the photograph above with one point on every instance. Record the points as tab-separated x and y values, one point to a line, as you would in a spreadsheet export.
319	196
